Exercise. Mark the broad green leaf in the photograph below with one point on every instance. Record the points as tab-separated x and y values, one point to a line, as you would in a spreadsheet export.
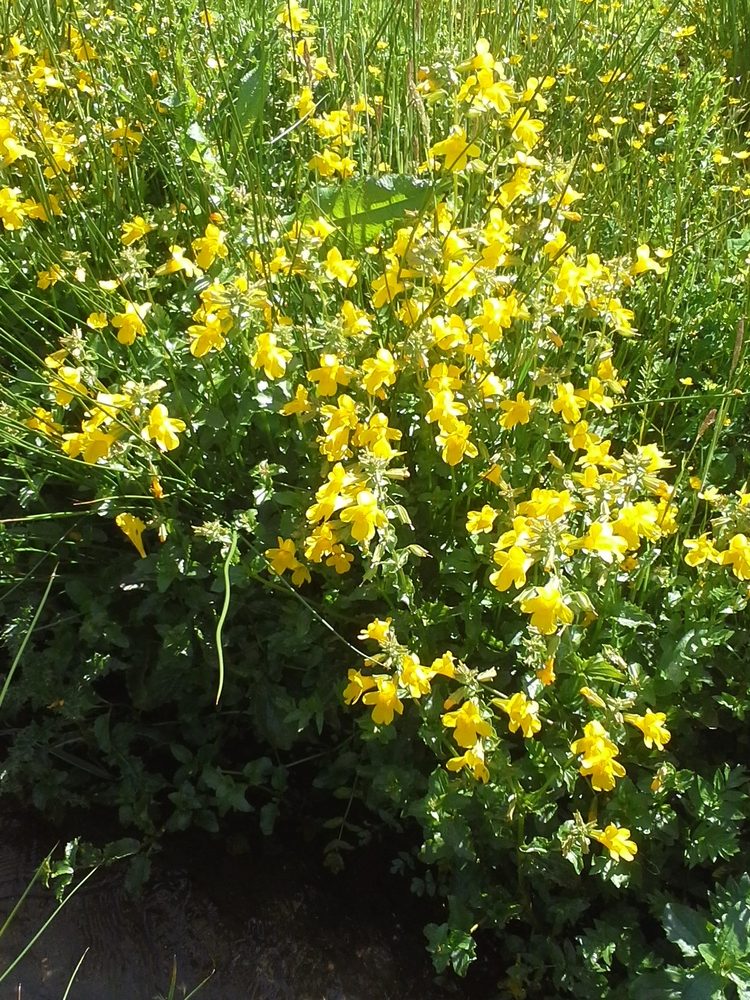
686	928
126	847
361	208
250	96
703	985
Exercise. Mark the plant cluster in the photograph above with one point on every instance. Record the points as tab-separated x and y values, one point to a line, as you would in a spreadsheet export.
386	388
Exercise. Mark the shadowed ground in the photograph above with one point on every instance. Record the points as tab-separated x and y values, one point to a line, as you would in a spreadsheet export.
273	925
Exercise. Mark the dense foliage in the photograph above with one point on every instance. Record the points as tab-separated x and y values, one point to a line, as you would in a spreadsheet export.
373	419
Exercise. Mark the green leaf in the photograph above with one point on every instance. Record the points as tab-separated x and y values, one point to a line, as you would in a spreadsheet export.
268	816
686	928
362	208
126	847
250	96
702	985
631	616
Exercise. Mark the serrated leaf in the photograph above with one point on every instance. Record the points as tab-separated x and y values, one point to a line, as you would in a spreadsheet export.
686	928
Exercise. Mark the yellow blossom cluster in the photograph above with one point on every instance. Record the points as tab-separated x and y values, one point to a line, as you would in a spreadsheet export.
442	385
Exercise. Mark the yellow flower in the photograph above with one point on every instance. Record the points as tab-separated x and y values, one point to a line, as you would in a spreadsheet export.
385	700
448	332
378	372
415	676
300	404
43	422
597	757
655	733
129	324
162	428
341	270
608	373
339	421
304	102
268	356
92	444
340	559
700	550
445	410
364	516
444	377
329	163
357	686
209	246
133	527
579	436
135	230
283	559
456	150
516	411
177	262
331	374
123	138
379	630
595	395
601	540
387	286
80	47
570	283
107	407
738	556
522	714
460	281
636	521
597	454
498	315
206	336
549	504
468	724
354	320
547	608
46	279
513	566
330	496
479	521
525	129
11	148
444	665
568	404
493	475
455	443
653	458
292	16
319	543
96	320
472	760
615	839
546	674
592	697
376	437
66	384
645	262
12	210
